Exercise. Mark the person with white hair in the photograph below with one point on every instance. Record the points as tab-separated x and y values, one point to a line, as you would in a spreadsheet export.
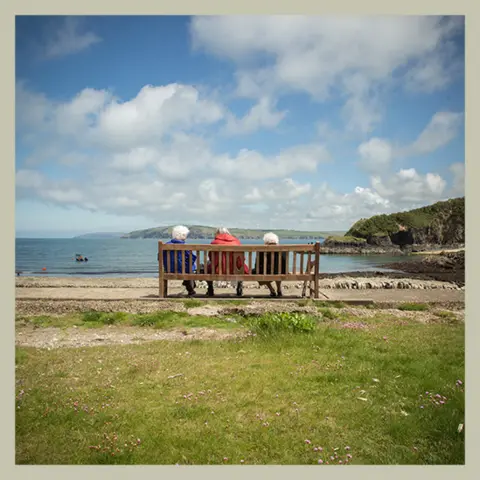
224	237
271	239
179	235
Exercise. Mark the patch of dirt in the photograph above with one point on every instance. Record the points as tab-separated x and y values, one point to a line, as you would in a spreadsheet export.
51	337
58	307
206	310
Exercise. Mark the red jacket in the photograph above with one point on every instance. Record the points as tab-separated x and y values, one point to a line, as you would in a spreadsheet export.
226	239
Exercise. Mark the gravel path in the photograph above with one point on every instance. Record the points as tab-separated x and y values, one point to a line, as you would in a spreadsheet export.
149	286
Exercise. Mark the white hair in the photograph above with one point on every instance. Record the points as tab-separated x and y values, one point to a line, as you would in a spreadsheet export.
222	230
180	232
270	239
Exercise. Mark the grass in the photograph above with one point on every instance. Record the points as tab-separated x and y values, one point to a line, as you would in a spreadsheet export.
193	303
160	319
446	316
347	239
346	382
413	307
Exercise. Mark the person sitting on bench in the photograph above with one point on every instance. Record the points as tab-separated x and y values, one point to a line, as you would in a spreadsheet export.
179	235
224	237
271	239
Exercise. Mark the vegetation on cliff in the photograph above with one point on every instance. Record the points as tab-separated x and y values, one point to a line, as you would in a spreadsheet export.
441	223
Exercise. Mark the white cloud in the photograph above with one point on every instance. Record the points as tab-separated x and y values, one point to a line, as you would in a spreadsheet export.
153	113
99	119
405	190
69	39
436	71
408	187
135	159
150	156
343	209
441	130
458	179
261	115
287	189
251	165
324	56
376	155
362	111
29	179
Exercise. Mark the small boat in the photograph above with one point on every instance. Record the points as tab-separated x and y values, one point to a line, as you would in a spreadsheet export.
80	258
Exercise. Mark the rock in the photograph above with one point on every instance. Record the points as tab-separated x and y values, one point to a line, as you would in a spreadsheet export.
379	240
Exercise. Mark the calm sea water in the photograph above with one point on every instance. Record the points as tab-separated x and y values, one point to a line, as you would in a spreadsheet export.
138	258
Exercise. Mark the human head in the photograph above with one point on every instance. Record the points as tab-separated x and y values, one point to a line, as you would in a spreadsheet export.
270	239
221	230
180	232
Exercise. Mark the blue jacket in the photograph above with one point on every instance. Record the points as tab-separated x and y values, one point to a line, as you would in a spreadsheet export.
178	266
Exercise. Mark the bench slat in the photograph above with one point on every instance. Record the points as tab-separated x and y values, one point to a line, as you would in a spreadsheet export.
241	248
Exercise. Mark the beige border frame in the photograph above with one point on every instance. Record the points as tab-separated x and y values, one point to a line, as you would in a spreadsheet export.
7	23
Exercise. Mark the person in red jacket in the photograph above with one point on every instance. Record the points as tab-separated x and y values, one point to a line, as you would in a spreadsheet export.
224	237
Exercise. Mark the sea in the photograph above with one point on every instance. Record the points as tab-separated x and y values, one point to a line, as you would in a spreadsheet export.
116	257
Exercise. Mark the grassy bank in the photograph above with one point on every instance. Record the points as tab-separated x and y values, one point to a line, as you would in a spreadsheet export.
298	390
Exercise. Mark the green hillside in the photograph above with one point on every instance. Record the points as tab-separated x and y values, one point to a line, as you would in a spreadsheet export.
440	223
205	232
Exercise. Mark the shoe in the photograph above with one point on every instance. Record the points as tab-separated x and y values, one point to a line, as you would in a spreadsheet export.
279	294
239	291
273	294
191	293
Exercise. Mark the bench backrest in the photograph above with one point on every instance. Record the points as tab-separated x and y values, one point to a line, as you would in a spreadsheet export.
281	262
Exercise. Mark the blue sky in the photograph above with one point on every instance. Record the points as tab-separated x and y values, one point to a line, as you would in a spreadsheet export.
274	122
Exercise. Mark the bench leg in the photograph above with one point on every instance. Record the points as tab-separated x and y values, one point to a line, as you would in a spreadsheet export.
304	290
163	288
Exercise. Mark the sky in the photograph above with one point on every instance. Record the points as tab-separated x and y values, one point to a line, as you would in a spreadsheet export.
303	122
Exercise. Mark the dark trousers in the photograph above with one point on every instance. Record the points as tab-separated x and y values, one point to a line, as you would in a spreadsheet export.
189	285
239	286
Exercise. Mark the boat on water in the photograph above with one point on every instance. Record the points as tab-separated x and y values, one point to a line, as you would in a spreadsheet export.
80	258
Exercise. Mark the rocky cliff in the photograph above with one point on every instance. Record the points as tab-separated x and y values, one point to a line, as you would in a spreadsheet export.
432	227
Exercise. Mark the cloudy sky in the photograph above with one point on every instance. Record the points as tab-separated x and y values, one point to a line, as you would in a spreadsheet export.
265	122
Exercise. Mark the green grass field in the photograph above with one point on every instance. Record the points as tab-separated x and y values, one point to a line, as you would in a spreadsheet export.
297	390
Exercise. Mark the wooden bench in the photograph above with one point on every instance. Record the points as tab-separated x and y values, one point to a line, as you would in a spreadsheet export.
303	264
